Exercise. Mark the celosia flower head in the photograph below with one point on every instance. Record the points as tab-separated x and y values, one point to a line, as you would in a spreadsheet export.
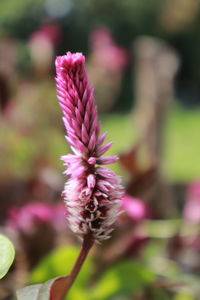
92	191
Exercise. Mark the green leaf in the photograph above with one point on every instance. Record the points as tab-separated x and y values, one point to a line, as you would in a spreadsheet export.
78	293
183	296
60	262
7	252
123	279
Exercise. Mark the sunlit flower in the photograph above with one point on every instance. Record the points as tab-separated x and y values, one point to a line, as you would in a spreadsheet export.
92	191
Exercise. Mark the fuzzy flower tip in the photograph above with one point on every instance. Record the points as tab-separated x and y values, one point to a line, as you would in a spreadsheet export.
92	191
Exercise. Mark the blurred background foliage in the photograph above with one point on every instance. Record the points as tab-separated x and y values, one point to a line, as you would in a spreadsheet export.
177	22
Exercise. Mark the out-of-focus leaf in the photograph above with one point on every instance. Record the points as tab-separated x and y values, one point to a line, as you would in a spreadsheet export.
53	289
183	296
60	262
161	228
7	254
124	279
158	293
161	265
78	293
169	228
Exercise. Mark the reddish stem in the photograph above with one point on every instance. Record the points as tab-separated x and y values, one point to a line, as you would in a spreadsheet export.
86	246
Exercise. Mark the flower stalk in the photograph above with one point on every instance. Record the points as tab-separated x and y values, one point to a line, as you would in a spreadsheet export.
92	192
86	246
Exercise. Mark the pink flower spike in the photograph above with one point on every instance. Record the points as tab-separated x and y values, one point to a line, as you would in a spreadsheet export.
91	192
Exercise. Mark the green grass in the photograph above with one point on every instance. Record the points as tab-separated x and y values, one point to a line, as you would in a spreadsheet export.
181	161
182	145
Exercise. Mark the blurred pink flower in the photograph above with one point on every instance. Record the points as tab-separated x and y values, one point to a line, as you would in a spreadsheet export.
135	208
59	216
50	32
106	52
192	206
100	37
45	37
106	65
25	218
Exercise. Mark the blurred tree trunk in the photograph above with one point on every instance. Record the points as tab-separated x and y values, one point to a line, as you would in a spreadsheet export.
156	65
